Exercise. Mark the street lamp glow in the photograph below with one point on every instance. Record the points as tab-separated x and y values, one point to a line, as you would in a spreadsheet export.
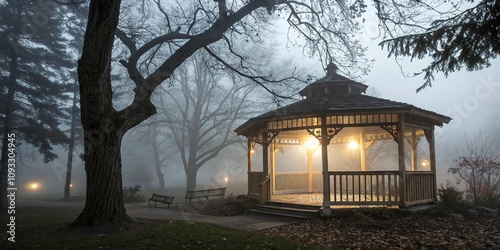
34	186
353	145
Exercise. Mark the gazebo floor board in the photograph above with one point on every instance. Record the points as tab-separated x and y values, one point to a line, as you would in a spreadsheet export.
316	199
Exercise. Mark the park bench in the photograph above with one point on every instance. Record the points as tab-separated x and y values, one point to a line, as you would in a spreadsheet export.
162	199
194	194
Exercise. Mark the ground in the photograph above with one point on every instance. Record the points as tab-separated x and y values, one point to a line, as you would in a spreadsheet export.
224	207
40	227
389	230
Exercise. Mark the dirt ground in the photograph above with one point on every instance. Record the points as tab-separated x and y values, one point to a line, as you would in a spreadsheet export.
394	231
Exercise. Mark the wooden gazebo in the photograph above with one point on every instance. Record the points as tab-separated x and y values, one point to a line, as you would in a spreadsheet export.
335	111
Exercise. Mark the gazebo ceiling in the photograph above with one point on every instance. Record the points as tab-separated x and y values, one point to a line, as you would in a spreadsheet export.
341	100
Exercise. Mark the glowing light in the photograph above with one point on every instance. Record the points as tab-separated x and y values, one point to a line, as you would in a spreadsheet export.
311	144
425	163
70	185
226	179
34	186
353	145
252	151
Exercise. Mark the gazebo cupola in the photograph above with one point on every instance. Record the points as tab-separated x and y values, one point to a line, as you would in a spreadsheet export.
332	85
336	114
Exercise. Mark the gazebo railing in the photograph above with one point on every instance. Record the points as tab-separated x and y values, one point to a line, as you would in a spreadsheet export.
296	182
420	187
254	179
364	187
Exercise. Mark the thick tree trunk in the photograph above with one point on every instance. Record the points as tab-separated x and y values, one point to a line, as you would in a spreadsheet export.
191	174
103	129
104	196
7	132
74	113
156	153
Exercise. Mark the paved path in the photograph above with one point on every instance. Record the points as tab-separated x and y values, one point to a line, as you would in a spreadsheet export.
177	212
183	212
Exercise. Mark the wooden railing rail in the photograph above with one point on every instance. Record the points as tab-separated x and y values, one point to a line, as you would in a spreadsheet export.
364	187
420	187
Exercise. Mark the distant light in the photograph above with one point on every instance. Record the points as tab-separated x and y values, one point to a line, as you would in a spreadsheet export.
34	186
226	179
252	151
353	145
425	163
70	185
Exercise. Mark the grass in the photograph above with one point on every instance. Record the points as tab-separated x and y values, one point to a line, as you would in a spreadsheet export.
46	228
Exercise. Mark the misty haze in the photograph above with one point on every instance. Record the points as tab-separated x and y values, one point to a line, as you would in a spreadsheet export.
258	124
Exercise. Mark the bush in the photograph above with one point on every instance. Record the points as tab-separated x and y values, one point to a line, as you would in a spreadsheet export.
133	195
451	199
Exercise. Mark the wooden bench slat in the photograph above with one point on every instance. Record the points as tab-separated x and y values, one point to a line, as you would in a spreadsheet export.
161	198
216	192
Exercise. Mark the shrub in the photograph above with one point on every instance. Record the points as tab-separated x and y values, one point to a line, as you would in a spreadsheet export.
133	195
451	199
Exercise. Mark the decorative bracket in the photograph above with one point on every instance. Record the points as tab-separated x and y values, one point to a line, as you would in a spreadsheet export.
331	132
260	138
392	129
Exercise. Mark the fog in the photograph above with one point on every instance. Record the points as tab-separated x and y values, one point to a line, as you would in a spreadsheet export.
471	99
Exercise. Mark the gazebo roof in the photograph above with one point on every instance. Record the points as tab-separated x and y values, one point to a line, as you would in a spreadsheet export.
336	95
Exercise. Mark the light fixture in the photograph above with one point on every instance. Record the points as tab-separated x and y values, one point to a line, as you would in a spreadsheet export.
353	145
311	144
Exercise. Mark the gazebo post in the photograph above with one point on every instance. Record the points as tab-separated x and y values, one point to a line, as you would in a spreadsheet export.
414	143
264	189
249	161
432	159
273	167
401	160
327	211
362	156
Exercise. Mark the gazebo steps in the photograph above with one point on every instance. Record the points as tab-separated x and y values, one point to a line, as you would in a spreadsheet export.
284	212
293	205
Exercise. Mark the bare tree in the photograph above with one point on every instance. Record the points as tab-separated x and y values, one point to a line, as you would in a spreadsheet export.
201	111
478	166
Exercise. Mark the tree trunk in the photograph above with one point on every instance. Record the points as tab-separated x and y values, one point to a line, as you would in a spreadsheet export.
7	132
191	178
156	153
74	113
103	128
104	199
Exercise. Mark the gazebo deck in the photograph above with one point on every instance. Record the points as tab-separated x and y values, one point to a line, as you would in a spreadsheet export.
315	199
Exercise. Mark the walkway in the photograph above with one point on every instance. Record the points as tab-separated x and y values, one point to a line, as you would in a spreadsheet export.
176	212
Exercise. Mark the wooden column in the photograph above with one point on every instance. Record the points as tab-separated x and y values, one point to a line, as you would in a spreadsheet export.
414	143
362	155
250	155
309	169
401	160
432	159
273	167
362	150
327	211
249	162
265	190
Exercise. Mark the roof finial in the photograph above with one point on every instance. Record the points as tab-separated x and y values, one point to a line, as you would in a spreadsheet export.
331	69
